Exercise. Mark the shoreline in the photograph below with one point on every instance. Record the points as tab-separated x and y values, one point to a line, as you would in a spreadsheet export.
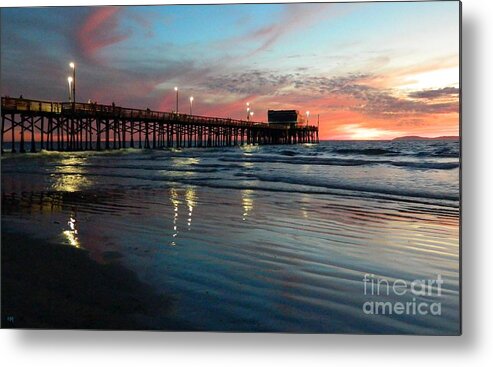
65	289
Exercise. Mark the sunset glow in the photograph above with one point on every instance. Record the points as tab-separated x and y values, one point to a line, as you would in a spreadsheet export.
368	70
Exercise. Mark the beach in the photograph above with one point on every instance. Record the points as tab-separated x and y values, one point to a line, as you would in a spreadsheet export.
254	238
46	285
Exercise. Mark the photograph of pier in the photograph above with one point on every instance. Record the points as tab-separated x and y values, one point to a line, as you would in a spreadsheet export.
237	167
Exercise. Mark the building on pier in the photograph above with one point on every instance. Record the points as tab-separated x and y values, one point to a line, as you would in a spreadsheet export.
287	118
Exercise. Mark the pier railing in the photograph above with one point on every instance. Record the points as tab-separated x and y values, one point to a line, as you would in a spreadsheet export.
95	109
29	105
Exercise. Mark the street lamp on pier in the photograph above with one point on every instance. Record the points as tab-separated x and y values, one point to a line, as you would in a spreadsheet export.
176	90
191	102
307	117
70	80
72	66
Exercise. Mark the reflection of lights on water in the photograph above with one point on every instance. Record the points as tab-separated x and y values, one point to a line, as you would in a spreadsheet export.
174	198
71	235
249	148
70	175
72	239
247	202
71	224
190	201
69	182
185	161
305	203
175	201
247	164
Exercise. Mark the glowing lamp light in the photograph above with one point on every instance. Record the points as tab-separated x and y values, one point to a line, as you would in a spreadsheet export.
72	65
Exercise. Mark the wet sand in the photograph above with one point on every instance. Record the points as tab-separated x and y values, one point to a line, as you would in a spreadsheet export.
46	285
243	261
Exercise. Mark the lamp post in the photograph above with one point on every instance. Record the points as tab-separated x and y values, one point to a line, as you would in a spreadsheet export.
251	114
176	90
307	117
191	102
72	66
70	80
248	111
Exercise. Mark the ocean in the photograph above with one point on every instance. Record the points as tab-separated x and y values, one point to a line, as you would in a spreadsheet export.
260	238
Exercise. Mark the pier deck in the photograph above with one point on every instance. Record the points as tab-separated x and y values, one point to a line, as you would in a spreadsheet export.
67	126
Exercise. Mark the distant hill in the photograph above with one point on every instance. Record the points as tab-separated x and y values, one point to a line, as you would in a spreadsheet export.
424	138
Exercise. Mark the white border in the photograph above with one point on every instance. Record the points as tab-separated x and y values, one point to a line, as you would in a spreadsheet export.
89	348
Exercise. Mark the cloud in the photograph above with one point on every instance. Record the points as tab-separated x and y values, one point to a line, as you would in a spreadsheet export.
376	101
351	92
411	122
348	84
272	82
250	82
381	103
293	17
100	29
435	93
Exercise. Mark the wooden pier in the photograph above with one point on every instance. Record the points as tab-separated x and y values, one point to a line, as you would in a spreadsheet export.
31	125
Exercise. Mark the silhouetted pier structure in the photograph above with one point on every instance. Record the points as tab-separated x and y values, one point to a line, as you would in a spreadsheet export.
67	126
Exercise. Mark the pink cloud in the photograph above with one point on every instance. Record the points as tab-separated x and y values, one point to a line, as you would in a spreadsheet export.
100	30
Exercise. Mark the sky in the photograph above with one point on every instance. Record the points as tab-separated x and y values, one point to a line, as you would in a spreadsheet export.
363	70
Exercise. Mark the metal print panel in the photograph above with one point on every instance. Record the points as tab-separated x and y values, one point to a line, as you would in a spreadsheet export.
237	167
